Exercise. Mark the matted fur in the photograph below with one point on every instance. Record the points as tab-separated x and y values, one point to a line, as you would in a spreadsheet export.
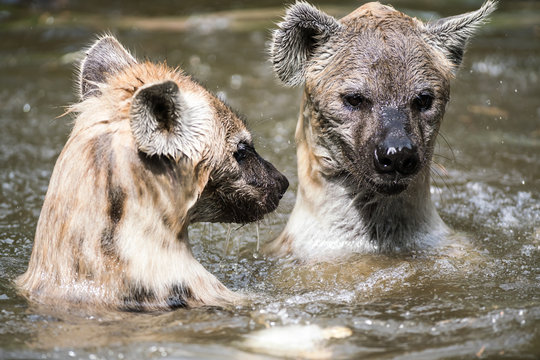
134	173
387	61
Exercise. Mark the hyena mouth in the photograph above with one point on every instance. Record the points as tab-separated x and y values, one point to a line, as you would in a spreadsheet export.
389	187
271	200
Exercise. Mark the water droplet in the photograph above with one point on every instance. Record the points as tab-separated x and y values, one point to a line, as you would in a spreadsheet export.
236	81
26	108
194	61
222	95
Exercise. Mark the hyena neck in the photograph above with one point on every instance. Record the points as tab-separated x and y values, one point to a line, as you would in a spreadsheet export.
133	253
170	274
152	243
332	219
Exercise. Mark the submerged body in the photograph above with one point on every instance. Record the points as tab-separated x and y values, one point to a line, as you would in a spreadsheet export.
151	152
377	83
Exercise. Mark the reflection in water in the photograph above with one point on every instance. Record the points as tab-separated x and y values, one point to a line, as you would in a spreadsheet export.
473	299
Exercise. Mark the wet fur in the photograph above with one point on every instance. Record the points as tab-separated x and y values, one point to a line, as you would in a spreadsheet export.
388	58
148	149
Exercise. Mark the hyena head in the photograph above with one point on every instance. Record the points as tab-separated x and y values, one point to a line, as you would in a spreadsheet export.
151	151
173	120
376	86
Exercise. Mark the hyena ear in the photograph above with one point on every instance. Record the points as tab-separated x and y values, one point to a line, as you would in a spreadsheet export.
452	34
106	57
303	29
167	123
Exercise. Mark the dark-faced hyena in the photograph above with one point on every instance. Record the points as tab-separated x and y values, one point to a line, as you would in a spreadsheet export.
151	152
376	87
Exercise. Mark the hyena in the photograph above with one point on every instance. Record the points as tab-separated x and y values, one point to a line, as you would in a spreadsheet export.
150	153
376	85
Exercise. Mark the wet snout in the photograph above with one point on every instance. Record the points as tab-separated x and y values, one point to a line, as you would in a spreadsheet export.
395	152
277	180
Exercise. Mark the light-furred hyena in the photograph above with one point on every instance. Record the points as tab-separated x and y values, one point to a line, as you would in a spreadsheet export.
377	83
151	152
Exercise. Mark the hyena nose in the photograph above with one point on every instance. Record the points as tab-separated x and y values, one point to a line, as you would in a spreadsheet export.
276	180
283	185
401	158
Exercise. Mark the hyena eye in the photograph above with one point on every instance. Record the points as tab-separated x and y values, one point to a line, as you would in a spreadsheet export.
242	152
423	101
353	100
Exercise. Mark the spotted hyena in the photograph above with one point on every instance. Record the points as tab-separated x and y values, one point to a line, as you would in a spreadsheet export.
151	152
376	85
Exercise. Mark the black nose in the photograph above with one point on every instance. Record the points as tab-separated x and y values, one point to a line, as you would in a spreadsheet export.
275	180
401	158
283	185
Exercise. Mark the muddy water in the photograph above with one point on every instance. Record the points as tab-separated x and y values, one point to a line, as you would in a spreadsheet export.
483	302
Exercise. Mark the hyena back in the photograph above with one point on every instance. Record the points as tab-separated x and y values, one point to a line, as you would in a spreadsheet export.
376	87
151	152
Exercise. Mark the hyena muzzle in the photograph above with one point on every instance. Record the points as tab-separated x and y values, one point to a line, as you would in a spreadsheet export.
377	83
151	152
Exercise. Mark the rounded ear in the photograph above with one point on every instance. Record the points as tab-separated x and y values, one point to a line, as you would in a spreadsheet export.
452	34
106	57
166	123
303	29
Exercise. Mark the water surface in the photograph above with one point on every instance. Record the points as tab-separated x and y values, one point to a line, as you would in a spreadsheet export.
485	303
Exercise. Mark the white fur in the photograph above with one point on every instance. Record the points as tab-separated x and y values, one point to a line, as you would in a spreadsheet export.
330	225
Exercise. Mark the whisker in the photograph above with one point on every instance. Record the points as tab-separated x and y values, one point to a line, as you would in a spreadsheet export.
440	171
441	168
353	200
444	157
448	145
239	227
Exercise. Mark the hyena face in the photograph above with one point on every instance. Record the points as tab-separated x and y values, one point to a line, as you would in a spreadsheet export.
151	151
376	86
376	83
379	101
243	187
